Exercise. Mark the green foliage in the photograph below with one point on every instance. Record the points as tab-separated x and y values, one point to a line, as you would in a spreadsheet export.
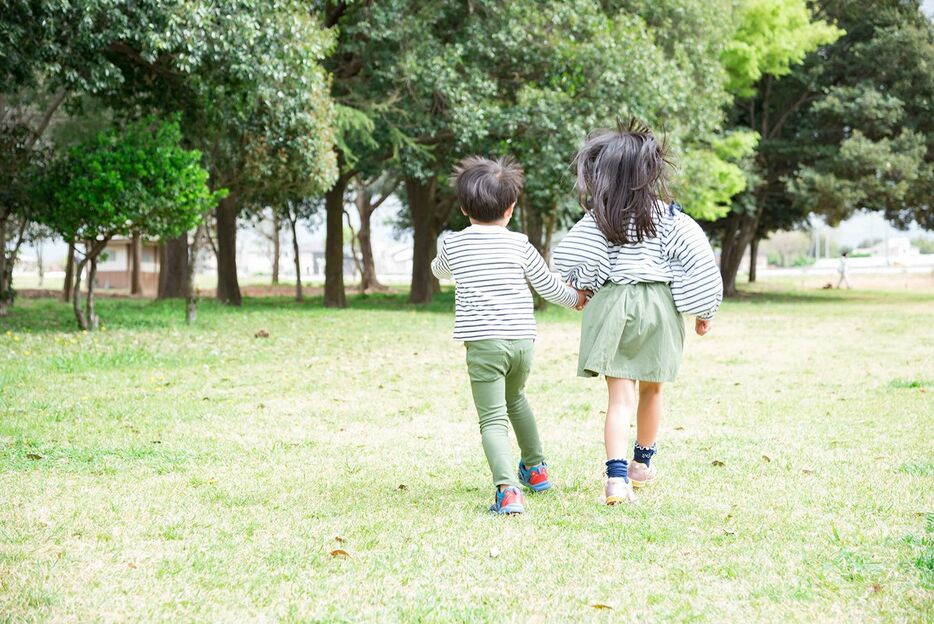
246	76
866	142
862	174
139	178
771	37
712	175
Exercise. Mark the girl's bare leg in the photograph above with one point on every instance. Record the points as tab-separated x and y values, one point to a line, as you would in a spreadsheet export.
619	411
649	413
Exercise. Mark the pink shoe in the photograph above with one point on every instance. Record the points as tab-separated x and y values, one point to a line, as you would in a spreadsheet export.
641	475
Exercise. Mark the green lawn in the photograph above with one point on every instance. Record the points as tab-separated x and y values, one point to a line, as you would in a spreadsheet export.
154	472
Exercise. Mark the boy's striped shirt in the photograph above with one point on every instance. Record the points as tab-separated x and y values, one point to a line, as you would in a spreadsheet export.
678	255
492	268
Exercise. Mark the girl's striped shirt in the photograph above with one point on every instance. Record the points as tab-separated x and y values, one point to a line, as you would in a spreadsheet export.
678	255
492	269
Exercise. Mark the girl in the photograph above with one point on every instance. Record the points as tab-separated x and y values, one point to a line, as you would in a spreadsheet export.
646	262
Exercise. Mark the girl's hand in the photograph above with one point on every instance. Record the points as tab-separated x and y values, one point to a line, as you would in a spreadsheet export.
702	326
583	296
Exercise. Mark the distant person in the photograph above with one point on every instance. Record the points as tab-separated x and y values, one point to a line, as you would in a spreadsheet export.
843	271
492	268
647	262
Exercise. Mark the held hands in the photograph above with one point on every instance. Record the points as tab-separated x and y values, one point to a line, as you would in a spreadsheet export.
702	326
583	296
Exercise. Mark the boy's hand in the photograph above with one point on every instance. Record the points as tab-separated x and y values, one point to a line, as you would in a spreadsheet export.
582	297
702	326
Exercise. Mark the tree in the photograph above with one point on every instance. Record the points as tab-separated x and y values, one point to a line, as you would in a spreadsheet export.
369	195
22	125
871	129
764	60
138	178
238	72
295	212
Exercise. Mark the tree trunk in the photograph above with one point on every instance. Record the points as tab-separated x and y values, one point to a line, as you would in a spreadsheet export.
90	314
368	280
7	263
428	217
5	296
76	293
298	260
191	300
69	273
136	282
40	263
173	268
228	288
740	231
334	294
276	249
753	258
87	318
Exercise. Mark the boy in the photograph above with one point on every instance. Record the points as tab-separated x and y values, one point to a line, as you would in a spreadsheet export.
492	268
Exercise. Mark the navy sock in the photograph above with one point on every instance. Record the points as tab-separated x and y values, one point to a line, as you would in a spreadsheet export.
617	468
643	454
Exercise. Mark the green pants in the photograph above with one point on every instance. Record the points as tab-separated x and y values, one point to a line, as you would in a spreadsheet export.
498	370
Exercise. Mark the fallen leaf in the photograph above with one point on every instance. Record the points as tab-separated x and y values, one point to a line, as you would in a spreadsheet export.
876	588
807	471
339	552
261	334
33	456
600	605
679	428
402	486
339	540
494	552
131	565
717	463
766	458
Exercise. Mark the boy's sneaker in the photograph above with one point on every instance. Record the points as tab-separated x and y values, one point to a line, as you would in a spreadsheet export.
509	500
534	478
618	490
641	475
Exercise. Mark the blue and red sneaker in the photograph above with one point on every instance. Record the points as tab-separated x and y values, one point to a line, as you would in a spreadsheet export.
534	478
509	500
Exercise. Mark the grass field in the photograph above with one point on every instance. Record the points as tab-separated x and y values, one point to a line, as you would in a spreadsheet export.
333	471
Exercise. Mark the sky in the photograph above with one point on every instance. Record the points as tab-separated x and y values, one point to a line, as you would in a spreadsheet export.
928	6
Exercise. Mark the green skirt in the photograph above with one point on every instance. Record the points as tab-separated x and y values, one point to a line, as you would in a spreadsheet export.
632	331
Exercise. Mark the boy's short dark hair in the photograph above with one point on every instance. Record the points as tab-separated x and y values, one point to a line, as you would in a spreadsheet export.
486	188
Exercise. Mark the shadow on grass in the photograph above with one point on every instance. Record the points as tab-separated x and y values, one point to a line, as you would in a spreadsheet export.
42	315
824	296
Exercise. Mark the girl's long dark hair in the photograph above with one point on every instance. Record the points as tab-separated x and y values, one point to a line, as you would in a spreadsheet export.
622	180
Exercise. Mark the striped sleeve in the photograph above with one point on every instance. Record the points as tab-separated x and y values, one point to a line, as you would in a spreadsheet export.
583	256
546	283
439	266
697	287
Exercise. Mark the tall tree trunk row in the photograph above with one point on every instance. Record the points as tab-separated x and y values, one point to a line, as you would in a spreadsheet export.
173	268
298	260
276	246
136	281
228	286
334	293
69	273
428	217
